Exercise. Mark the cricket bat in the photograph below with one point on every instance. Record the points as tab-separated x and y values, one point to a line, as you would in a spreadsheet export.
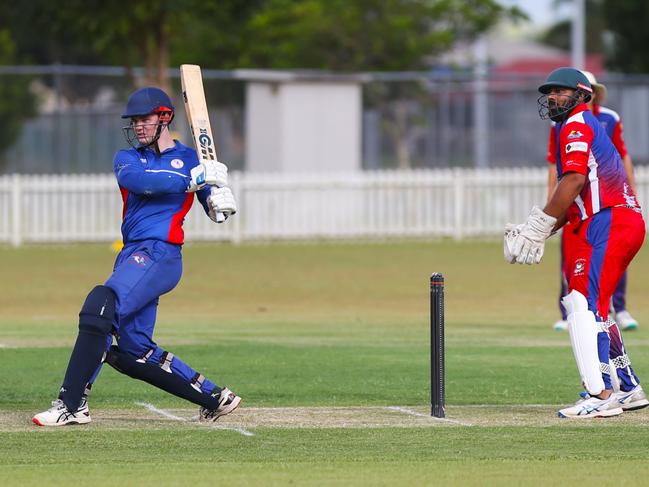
197	115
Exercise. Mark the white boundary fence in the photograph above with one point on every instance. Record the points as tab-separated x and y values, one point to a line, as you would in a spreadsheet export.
454	203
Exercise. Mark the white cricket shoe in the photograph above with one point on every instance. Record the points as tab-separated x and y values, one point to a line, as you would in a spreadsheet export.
59	415
632	400
593	407
625	321
561	325
228	402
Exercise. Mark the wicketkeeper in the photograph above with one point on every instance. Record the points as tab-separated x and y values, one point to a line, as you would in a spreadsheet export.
157	177
593	192
612	124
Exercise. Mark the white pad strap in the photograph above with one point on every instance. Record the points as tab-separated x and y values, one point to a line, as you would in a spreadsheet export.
615	380
621	362
606	368
616	363
583	330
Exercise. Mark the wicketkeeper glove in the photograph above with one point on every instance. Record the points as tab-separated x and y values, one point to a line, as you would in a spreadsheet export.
528	246
511	232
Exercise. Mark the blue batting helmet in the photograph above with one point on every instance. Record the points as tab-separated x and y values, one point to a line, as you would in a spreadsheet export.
146	101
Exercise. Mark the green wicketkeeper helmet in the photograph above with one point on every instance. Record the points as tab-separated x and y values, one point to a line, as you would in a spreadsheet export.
563	78
567	78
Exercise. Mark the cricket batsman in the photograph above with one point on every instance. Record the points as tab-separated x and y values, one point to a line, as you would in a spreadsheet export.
158	178
594	194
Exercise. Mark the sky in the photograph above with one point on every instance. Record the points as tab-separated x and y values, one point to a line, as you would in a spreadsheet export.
541	12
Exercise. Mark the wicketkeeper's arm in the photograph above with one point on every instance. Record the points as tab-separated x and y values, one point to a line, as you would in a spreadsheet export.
524	244
552	180
569	187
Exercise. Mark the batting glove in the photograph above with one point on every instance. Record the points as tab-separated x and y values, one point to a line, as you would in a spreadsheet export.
213	173
221	204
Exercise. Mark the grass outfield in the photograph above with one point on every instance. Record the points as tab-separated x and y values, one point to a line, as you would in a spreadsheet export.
328	346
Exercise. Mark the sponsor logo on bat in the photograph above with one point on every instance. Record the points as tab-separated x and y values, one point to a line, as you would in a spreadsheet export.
205	144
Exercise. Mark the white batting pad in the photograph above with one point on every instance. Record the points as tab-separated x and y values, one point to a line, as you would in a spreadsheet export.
583	331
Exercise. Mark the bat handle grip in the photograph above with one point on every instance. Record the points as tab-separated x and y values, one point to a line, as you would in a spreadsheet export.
220	217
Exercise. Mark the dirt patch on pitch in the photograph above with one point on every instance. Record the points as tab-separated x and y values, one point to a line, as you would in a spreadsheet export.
247	420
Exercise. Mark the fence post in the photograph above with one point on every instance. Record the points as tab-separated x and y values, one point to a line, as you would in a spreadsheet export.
237	184
16	198
458	203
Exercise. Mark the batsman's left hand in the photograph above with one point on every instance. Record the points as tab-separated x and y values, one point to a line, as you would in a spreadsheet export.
221	204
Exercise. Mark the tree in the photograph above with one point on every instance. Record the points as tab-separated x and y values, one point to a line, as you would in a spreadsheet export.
625	21
347	35
611	29
143	33
369	35
559	35
16	102
362	35
333	35
99	32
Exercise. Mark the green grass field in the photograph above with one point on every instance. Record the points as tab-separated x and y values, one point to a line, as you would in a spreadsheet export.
328	344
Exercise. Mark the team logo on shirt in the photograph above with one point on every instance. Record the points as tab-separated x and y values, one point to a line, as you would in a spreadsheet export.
139	259
580	267
177	163
577	147
575	134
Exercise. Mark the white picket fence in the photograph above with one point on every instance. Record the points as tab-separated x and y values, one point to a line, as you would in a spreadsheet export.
454	203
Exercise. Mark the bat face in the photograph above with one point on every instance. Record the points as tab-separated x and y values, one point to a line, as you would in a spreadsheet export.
197	114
